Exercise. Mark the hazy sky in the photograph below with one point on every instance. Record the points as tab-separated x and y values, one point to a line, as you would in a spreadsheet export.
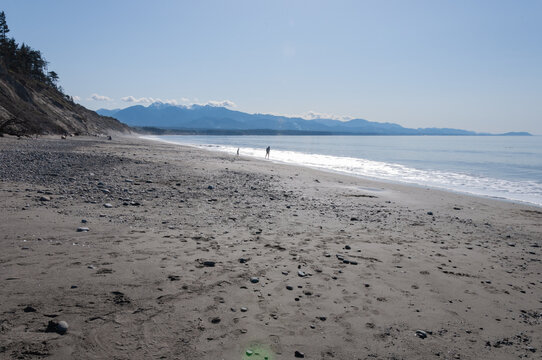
475	65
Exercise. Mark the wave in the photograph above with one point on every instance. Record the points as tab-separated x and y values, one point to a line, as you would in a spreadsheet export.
521	191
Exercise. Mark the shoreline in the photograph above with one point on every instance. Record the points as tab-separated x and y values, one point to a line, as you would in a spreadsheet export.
362	177
345	267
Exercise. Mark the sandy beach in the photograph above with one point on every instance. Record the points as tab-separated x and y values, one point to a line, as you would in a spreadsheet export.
156	251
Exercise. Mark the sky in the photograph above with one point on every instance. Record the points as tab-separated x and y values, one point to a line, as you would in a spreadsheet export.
474	65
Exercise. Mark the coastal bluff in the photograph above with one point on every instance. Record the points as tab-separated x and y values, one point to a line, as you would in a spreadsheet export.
30	107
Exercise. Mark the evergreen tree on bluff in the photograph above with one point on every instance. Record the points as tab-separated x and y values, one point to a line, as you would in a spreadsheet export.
23	60
4	29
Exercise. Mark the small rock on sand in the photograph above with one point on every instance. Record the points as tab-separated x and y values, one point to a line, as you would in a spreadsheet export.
254	280
83	229
60	327
421	334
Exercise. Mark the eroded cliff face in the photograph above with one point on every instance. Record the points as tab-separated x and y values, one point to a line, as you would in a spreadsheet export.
28	107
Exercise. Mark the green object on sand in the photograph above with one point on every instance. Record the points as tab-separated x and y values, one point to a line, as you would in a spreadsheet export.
258	352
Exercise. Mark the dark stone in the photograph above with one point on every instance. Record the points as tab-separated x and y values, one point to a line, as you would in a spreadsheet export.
60	327
254	280
429	213
119	298
209	263
289	287
421	334
215	320
347	247
29	309
299	354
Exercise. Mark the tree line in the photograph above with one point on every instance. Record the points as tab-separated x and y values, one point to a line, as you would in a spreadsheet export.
22	59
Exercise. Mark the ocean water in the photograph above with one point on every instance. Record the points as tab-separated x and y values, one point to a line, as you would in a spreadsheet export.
505	167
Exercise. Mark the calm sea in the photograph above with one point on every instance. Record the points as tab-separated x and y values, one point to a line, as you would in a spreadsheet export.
506	167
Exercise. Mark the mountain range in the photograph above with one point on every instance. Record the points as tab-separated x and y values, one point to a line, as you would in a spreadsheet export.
205	118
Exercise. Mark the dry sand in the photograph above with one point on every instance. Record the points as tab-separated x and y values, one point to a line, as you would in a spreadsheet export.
378	261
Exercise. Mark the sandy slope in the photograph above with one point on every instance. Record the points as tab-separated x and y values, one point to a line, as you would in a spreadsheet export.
135	286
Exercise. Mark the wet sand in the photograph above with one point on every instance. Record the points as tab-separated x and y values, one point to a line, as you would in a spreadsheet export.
192	254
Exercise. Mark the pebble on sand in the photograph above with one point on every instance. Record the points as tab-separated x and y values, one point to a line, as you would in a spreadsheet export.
299	354
421	334
60	327
254	280
83	229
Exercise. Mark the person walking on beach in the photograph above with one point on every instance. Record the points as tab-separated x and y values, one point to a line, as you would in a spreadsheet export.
267	151
237	151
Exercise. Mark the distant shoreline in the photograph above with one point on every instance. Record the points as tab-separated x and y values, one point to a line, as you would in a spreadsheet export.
348	164
267	132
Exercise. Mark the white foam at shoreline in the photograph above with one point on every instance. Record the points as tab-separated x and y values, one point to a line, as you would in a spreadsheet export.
523	191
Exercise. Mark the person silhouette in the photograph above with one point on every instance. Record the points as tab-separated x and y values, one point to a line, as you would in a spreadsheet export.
267	151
